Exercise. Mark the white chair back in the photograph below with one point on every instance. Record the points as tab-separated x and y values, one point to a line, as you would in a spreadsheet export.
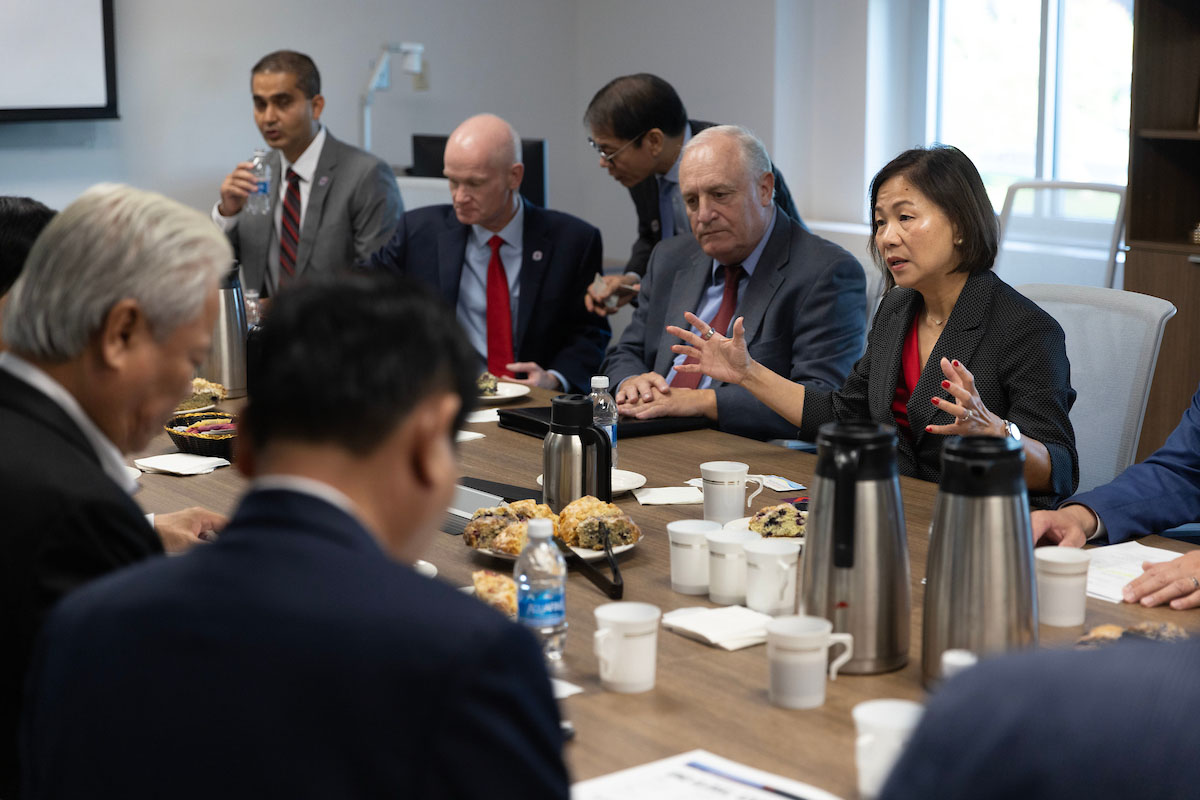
1112	342
421	192
1061	232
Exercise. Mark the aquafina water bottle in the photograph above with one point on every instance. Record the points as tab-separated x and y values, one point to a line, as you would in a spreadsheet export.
604	411
259	202
541	577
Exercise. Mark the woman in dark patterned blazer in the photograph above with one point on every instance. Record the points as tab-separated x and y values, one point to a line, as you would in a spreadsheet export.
953	349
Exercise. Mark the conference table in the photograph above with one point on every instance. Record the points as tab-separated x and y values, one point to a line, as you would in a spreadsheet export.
704	697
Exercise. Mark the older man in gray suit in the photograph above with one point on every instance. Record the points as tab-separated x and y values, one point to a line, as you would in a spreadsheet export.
331	204
802	297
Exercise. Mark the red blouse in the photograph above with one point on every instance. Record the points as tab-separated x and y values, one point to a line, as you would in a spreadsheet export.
910	373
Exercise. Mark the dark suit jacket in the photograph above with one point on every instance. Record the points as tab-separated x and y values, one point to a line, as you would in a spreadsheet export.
645	201
1058	725
292	658
1015	350
1156	494
561	256
65	523
804	319
352	209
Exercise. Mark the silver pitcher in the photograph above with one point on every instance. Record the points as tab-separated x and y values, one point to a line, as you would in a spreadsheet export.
576	454
980	592
855	571
226	362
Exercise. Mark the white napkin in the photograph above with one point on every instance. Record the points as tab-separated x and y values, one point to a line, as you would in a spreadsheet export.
467	436
669	496
484	415
563	689
730	628
776	483
180	464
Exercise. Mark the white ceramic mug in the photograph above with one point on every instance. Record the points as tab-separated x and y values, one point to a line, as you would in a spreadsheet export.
626	644
771	575
689	554
727	566
883	727
725	489
798	657
1061	585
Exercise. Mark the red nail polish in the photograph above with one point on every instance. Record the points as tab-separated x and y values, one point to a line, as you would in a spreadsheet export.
955	362
945	384
929	429
937	400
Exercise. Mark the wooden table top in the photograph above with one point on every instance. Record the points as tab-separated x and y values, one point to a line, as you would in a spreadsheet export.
704	697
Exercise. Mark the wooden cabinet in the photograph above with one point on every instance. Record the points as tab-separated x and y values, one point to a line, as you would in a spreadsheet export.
1163	201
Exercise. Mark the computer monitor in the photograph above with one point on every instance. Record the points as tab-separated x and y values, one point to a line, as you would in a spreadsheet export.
428	150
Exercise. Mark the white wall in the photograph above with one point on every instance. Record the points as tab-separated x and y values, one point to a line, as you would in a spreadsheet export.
795	71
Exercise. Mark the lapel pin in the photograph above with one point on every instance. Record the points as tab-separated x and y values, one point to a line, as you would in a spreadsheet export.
537	255
654	225
324	180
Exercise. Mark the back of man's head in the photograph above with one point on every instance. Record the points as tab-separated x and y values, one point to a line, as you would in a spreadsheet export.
343	361
113	243
21	220
308	78
631	105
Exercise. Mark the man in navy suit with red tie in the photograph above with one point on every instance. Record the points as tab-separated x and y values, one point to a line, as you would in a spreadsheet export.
515	274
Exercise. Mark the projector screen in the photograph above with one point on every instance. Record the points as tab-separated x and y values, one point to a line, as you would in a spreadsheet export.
57	59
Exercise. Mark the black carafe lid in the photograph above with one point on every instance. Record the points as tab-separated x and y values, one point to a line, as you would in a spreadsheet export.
874	445
982	466
569	413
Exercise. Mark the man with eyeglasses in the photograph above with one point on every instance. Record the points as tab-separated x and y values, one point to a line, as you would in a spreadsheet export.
638	127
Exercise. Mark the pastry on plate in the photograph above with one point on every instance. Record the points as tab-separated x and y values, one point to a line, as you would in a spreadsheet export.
487	384
1155	631
588	522
785	519
204	393
497	590
503	528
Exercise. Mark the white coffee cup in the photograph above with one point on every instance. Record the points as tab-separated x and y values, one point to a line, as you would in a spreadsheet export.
1061	585
725	489
883	727
771	575
798	658
689	554
626	643
727	566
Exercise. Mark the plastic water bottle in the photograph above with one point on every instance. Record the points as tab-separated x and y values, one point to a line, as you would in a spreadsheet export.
541	577
604	410
260	201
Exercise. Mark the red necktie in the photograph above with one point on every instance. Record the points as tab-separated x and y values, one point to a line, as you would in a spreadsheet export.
499	314
719	323
289	233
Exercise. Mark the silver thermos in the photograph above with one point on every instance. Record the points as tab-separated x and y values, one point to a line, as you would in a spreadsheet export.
226	362
855	570
576	454
980	592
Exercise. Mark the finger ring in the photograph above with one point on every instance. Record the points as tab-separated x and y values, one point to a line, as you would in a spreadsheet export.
1195	583
970	415
708	334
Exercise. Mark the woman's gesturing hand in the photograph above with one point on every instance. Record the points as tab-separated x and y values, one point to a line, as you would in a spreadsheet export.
720	358
971	417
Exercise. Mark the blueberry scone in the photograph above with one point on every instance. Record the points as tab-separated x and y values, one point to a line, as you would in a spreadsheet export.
784	519
503	528
588	522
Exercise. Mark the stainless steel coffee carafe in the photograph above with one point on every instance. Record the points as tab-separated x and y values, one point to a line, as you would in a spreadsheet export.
226	362
576	454
855	570
980	592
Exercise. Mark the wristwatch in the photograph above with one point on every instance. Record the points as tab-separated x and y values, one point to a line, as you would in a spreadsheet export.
1011	431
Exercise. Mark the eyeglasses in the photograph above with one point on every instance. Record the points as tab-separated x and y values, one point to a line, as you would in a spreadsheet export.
608	157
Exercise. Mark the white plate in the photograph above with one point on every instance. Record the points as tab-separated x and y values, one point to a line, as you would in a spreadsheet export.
622	481
743	524
425	568
586	555
179	411
505	391
133	472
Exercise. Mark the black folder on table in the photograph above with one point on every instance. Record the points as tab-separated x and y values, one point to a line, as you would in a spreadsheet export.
536	422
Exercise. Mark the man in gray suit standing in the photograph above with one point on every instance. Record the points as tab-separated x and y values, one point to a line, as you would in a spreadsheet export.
801	297
331	204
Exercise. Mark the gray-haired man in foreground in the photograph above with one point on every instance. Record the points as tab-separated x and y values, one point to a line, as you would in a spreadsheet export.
105	327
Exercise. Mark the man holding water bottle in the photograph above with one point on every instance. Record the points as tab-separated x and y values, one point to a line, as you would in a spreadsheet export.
328	204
